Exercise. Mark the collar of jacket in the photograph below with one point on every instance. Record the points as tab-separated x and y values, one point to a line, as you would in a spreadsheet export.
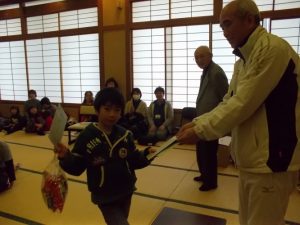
207	67
245	51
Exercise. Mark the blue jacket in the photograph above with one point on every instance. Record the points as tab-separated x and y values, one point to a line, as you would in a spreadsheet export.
109	161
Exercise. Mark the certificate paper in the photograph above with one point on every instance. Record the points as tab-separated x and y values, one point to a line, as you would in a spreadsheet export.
164	146
58	126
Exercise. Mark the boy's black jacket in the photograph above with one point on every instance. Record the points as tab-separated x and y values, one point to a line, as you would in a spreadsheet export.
110	162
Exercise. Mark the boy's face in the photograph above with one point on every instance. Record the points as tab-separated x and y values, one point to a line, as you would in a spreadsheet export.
33	110
110	84
13	111
109	115
31	96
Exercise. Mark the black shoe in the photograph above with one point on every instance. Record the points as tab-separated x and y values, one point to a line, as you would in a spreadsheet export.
198	179
207	187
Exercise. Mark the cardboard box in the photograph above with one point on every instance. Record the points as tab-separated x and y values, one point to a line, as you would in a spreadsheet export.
224	151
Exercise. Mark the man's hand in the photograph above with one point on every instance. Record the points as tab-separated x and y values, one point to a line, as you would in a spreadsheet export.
187	135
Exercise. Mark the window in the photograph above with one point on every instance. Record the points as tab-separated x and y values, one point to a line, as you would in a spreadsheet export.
283	4
183	74
222	51
153	10
41	24
148	60
191	8
43	67
150	10
68	20
78	18
267	5
13	71
263	5
164	56
12	6
61	68
289	30
80	66
41	2
10	27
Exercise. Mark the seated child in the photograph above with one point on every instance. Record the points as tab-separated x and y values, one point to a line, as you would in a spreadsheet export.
48	111
88	101
34	121
16	121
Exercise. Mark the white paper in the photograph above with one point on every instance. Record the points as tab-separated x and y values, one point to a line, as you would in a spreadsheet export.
225	140
163	147
58	126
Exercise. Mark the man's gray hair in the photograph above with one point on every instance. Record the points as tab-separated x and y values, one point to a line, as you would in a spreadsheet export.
248	7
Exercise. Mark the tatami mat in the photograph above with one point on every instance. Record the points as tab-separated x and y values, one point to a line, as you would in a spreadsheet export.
168	182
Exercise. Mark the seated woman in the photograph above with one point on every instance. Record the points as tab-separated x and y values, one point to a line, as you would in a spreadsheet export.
135	114
88	101
16	120
34	121
160	116
7	170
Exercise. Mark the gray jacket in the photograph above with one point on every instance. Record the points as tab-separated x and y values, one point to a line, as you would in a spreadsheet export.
213	89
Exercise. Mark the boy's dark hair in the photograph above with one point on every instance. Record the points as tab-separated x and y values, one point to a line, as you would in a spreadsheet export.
137	90
45	101
159	89
32	92
111	79
16	108
109	95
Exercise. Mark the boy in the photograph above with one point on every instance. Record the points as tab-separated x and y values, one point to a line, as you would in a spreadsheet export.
109	155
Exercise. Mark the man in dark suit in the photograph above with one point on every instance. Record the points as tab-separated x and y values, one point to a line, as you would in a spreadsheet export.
213	86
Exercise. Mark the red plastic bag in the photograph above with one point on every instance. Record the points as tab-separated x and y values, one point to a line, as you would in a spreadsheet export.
54	186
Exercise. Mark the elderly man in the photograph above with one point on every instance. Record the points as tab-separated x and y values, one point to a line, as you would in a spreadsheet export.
213	87
262	109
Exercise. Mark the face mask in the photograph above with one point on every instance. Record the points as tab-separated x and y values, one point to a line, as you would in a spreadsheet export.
136	97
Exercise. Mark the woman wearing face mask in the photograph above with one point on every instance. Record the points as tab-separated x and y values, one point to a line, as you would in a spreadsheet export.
135	114
135	104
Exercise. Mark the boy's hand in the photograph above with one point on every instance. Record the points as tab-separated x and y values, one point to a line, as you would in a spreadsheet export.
60	149
149	150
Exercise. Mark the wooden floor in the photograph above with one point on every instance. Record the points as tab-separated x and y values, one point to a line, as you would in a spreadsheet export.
168	182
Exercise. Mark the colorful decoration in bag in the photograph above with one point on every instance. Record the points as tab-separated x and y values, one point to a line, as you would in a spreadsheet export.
54	186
